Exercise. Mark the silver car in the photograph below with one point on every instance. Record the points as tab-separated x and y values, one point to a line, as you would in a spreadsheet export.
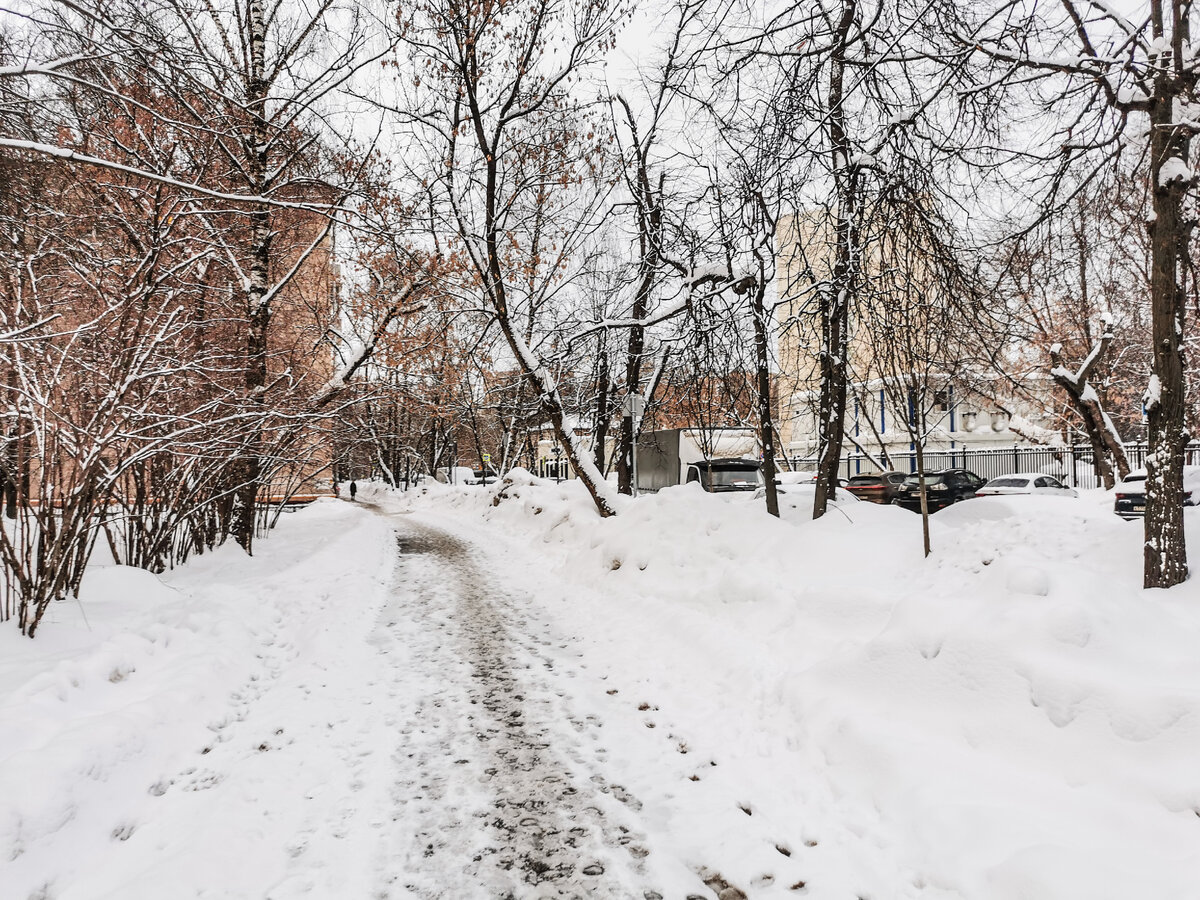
1026	483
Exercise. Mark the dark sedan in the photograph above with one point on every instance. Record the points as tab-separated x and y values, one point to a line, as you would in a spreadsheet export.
882	487
1130	502
941	488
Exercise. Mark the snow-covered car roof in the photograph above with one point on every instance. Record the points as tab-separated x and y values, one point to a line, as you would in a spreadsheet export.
1012	478
1190	473
796	477
1026	476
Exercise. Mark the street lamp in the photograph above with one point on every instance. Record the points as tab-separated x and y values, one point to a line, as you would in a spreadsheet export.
557	451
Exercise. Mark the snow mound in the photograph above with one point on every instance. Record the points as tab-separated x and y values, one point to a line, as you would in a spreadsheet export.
1028	580
108	585
123	693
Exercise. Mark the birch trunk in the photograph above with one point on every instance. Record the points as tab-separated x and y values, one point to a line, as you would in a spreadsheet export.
250	466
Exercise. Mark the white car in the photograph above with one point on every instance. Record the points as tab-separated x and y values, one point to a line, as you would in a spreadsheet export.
1026	483
456	475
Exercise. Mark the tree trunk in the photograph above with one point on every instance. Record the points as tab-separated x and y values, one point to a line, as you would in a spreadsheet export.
1165	554
539	379
766	422
250	468
8	476
835	300
10	455
637	340
920	449
1102	463
546	390
602	412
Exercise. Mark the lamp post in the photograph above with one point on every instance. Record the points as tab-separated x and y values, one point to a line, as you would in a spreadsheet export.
557	451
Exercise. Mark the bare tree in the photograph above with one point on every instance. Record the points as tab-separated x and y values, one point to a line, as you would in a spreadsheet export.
652	184
860	89
168	196
1123	83
516	159
236	91
915	308
1078	288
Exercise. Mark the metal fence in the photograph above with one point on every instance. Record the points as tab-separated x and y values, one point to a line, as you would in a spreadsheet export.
1071	464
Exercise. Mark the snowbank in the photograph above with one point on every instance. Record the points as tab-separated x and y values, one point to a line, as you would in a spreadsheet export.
125	693
1011	718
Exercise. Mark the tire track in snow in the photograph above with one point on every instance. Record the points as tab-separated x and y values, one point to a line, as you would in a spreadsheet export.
493	797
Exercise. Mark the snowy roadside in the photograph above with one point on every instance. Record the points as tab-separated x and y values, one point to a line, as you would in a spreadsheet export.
1013	717
125	717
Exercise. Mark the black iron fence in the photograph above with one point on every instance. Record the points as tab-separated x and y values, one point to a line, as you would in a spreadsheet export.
1071	464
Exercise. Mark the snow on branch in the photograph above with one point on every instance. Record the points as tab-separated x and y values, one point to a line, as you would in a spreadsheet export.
719	279
68	155
24	331
362	353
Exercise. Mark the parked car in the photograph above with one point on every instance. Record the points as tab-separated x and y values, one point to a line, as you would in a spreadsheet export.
881	487
786	480
1130	502
799	483
941	489
1027	483
719	476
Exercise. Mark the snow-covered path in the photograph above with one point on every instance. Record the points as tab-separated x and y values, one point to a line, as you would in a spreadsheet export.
496	789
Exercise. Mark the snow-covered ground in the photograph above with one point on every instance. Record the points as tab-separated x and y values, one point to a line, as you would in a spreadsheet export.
687	700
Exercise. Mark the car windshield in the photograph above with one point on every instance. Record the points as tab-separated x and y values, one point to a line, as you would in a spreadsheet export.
735	477
1008	482
863	479
1134	479
929	479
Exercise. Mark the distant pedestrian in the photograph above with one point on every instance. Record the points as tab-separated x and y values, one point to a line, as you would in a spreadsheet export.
353	490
